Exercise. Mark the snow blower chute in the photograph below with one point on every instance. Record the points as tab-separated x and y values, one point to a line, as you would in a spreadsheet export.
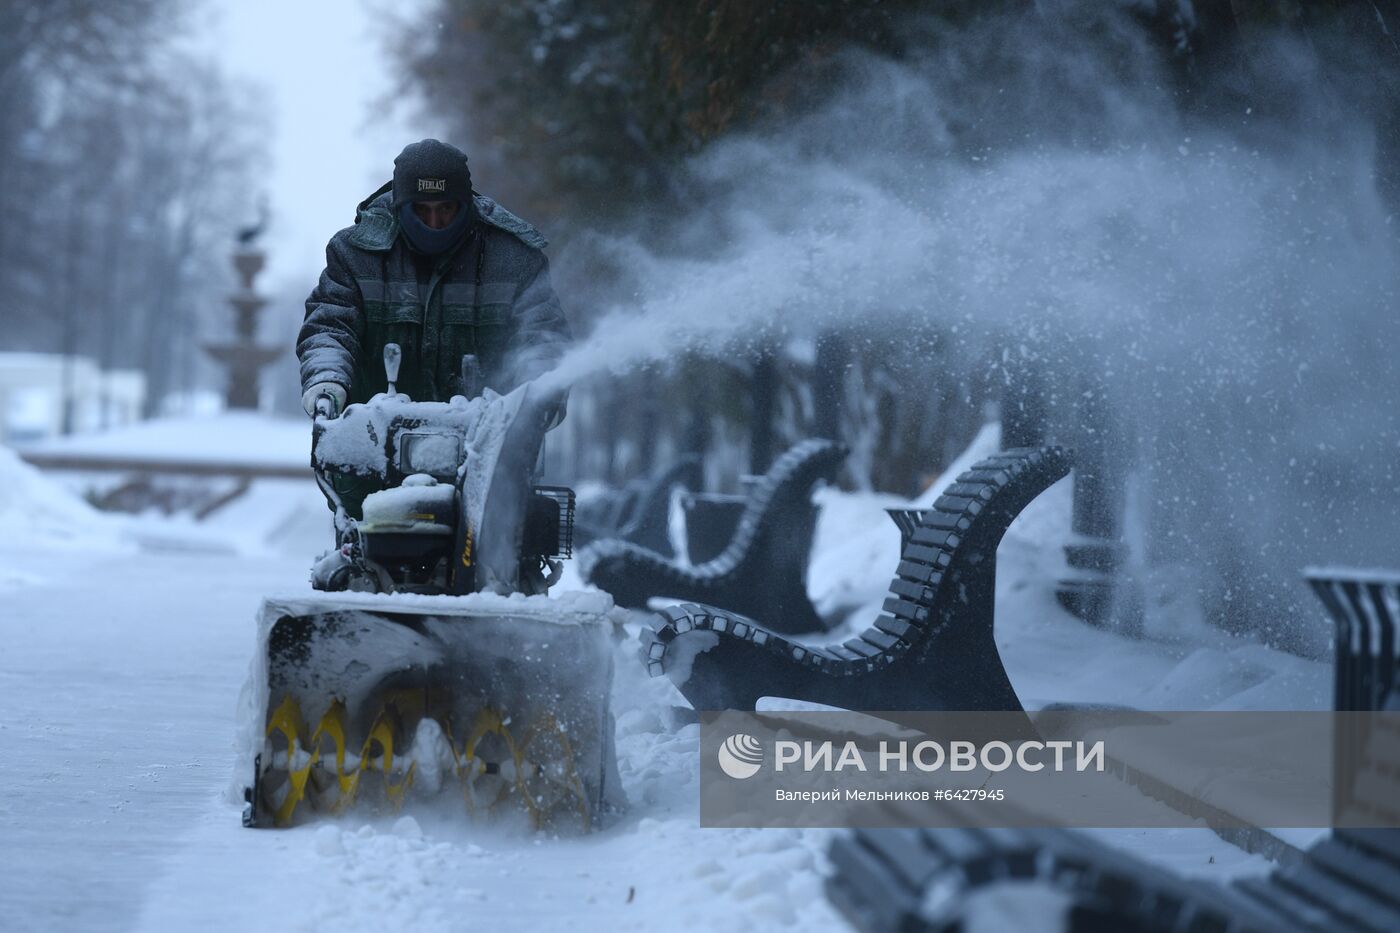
432	661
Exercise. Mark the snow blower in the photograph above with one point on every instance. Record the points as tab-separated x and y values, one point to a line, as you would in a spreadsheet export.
432	657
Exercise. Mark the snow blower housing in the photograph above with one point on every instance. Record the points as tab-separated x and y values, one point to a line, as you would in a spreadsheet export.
447	664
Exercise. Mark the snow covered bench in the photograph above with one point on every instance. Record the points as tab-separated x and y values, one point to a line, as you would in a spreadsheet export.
711	518
912	879
761	573
931	649
1365	610
928	879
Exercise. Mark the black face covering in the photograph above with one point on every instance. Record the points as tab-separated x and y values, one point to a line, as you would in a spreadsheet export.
434	242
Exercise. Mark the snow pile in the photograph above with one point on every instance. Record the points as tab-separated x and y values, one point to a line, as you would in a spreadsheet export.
39	512
355	438
419	894
261	518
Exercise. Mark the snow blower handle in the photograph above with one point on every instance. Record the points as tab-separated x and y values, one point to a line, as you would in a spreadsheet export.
393	356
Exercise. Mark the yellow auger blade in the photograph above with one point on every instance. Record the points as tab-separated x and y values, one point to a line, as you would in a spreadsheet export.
540	767
332	727
286	719
472	765
382	734
561	763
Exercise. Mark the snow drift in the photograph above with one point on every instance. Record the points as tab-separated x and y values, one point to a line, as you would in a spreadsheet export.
40	512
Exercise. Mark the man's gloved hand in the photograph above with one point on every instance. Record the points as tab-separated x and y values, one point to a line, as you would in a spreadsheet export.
334	392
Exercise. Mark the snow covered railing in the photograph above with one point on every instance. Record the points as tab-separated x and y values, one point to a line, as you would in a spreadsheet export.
762	573
931	649
239	445
100	463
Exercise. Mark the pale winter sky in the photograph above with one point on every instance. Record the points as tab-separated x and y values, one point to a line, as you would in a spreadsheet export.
325	69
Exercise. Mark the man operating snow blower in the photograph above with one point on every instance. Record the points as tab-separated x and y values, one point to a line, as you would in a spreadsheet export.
443	273
432	655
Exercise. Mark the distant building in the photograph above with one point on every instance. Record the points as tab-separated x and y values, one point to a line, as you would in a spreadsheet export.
33	387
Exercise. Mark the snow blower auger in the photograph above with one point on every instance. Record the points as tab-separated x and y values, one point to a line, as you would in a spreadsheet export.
433	660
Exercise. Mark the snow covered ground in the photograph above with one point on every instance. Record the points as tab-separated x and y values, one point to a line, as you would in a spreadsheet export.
128	642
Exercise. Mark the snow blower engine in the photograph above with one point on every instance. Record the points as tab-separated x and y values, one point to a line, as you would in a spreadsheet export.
433	657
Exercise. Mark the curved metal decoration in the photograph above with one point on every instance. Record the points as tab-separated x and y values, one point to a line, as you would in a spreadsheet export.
763	571
931	649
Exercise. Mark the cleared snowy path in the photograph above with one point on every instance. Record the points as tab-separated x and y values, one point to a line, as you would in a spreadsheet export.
119	688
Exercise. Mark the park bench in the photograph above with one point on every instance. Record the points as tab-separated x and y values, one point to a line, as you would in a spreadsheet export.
763	571
924	879
932	648
639	512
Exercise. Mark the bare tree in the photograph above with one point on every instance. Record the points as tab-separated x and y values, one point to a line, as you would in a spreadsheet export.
125	167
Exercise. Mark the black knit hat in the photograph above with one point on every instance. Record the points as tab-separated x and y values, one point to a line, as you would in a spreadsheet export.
429	170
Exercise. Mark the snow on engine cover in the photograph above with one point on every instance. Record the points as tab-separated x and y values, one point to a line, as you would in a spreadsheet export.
375	701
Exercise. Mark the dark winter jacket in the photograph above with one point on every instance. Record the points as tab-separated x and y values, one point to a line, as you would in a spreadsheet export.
489	296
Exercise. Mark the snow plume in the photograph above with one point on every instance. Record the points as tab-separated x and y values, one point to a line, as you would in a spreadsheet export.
1224	278
1013	172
